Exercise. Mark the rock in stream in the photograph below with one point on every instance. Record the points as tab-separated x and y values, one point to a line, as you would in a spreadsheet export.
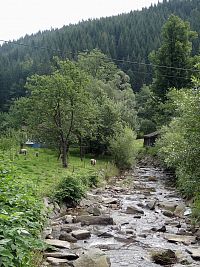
123	224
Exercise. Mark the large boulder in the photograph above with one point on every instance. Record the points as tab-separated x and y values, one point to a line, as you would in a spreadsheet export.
169	206
94	220
93	258
185	239
180	209
164	257
151	204
57	243
133	210
67	237
81	234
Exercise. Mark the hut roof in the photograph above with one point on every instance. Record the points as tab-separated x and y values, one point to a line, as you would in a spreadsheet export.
156	133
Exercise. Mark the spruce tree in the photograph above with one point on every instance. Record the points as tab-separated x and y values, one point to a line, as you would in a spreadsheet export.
173	59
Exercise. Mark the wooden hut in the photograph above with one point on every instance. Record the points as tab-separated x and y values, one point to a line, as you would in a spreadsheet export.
150	139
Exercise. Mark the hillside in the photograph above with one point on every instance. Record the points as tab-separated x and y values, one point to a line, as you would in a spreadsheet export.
129	37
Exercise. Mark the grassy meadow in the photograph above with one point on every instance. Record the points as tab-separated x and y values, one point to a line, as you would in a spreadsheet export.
24	181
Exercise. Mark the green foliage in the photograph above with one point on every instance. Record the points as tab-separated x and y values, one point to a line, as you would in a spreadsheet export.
24	181
175	55
122	147
70	190
147	107
127	36
147	126
20	218
97	64
74	186
58	107
179	144
196	208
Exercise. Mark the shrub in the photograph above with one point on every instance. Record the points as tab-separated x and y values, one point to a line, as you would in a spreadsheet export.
123	148
71	189
20	219
179	145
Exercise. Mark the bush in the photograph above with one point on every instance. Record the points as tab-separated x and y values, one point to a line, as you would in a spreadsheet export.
21	219
70	190
196	208
179	144
123	148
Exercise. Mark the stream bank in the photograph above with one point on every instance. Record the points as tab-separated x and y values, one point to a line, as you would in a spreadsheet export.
135	217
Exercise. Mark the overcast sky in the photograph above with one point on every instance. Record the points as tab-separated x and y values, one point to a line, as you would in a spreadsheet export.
20	17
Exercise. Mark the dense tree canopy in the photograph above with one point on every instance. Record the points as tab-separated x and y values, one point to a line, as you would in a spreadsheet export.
74	105
129	37
173	59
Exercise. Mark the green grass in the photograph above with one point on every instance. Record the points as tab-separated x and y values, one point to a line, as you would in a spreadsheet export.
45	171
139	144
24	181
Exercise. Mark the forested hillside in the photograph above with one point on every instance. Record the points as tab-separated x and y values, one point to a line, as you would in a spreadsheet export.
126	37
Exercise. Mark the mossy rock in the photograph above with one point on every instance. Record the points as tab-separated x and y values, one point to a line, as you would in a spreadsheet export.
165	257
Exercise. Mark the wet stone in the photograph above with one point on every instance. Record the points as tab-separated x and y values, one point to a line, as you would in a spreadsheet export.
57	243
164	257
81	234
56	260
151	204
133	210
181	238
180	209
195	252
109	201
168	213
94	220
94	210
67	237
127	238
93	258
152	178
62	255
169	206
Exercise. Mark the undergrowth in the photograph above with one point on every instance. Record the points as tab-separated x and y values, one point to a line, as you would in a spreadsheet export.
24	181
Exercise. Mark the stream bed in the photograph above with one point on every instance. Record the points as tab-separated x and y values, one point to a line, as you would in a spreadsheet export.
132	218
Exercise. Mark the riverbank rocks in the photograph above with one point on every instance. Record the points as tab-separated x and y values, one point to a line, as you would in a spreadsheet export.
81	234
169	206
109	201
133	210
56	261
195	252
94	220
62	255
67	237
168	213
164	257
94	210
185	239
93	258
152	178
180	209
57	243
121	223
151	204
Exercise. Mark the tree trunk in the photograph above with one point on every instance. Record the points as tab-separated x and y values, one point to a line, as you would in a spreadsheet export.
81	147
64	154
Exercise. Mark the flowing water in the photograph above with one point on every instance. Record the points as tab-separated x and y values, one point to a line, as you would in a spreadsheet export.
146	211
